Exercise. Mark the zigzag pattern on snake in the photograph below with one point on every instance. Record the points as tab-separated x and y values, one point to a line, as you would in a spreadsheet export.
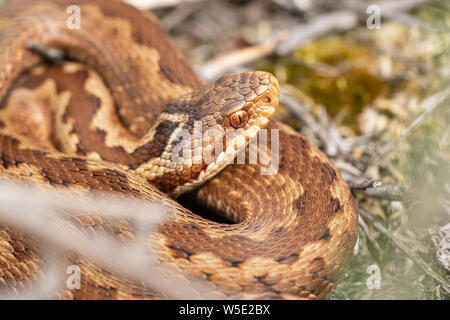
106	126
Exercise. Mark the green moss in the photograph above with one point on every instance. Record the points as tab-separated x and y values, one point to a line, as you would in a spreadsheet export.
334	72
331	50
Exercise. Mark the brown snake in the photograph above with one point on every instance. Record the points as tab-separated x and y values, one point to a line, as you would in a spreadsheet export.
293	231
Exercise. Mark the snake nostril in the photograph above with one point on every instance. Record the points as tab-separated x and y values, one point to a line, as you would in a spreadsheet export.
267	100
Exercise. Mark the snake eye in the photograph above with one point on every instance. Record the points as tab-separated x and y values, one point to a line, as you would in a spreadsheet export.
239	119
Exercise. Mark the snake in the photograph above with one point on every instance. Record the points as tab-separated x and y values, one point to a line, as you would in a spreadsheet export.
108	118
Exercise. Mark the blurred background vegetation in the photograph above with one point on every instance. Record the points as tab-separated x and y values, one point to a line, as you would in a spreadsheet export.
374	99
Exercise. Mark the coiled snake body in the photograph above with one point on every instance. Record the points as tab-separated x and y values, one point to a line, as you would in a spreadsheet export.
63	127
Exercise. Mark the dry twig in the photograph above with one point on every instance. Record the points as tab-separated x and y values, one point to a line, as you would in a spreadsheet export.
156	4
376	189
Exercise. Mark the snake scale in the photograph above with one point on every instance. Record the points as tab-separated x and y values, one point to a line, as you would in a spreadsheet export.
105	122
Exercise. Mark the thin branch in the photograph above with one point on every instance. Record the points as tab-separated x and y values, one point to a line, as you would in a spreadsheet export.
225	62
178	15
156	4
365	185
376	189
320	25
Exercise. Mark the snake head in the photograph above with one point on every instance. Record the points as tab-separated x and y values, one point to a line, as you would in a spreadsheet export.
246	103
219	121
250	100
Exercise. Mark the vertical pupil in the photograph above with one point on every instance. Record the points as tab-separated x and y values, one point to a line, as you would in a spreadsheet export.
239	116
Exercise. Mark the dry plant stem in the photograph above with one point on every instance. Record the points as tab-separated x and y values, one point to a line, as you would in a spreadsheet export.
365	185
376	189
156	4
384	192
320	25
221	64
365	229
405	249
411	20
178	15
